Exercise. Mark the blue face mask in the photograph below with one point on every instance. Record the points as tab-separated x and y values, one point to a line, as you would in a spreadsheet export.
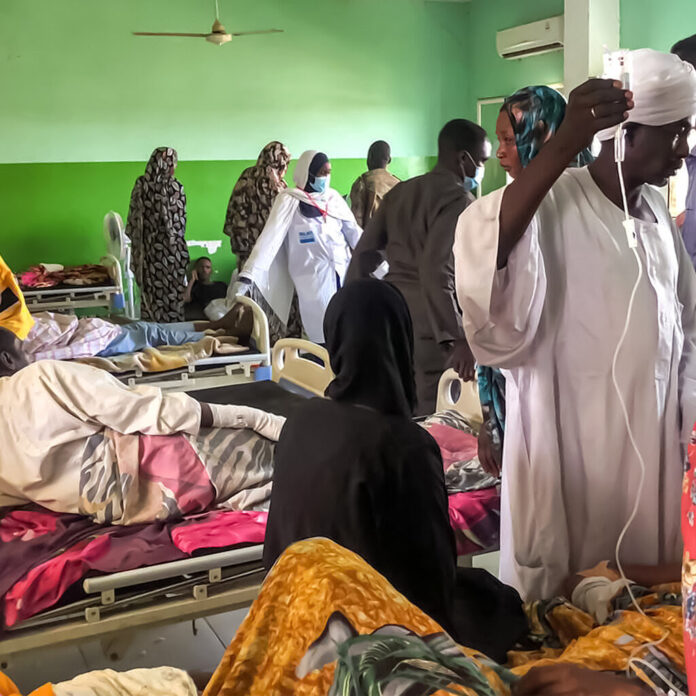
320	184
472	183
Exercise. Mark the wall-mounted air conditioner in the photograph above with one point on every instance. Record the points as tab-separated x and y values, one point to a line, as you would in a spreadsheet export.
531	39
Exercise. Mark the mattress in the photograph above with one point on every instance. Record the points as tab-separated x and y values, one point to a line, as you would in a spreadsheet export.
267	396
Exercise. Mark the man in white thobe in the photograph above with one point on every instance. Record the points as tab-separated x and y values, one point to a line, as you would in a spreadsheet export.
544	277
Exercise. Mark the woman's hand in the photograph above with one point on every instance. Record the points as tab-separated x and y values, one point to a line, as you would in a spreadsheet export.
571	680
593	106
486	455
462	360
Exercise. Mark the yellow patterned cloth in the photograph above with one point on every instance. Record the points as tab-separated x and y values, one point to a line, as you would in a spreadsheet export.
14	315
312	580
168	357
609	647
315	578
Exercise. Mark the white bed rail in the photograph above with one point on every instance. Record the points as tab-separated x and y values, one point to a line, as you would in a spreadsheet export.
289	363
173	569
454	393
260	332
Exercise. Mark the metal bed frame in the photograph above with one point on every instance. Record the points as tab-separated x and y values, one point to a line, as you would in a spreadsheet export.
69	299
216	371
142	598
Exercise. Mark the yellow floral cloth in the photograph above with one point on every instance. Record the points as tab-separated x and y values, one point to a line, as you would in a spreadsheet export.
316	578
312	580
14	315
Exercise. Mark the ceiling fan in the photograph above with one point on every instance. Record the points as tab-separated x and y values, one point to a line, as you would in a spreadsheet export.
218	34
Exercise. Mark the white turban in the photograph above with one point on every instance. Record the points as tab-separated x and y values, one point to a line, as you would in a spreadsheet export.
664	90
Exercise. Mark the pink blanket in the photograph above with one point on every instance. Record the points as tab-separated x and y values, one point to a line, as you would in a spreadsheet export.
44	554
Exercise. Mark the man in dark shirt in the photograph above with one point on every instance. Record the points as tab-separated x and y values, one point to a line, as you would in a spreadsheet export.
414	229
201	290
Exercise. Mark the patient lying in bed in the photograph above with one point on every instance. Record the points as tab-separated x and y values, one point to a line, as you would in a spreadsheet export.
76	440
65	337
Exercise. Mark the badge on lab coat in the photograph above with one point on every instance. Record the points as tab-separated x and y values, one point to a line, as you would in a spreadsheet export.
307	237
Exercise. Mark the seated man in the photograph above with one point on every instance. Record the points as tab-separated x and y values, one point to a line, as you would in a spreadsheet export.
76	440
201	290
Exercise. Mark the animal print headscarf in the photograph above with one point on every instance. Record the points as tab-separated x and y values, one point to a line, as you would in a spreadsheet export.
253	197
156	226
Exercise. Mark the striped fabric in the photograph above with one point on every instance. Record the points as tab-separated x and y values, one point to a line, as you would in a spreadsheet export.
65	337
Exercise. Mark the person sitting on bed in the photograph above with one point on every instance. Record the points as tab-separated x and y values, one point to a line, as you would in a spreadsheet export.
76	440
355	468
201	290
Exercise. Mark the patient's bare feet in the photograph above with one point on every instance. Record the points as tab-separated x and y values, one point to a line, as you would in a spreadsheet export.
239	322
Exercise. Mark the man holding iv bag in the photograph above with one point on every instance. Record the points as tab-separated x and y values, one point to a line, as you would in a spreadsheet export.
586	298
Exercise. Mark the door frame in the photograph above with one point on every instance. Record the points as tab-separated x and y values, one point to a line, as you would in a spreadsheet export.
480	103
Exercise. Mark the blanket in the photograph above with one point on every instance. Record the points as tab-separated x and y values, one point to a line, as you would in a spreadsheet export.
161	477
168	357
43	555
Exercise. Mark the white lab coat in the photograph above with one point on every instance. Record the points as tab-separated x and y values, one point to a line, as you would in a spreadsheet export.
310	255
319	252
552	319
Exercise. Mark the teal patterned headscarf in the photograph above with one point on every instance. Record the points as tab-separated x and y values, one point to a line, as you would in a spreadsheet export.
536	113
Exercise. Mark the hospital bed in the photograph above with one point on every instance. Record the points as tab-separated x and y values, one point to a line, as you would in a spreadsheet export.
456	395
217	370
68	298
178	590
201	585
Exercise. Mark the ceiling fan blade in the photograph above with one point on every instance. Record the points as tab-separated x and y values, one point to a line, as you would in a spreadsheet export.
166	33
265	31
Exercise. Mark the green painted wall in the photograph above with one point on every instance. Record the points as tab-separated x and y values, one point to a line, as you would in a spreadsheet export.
53	212
492	76
658	25
84	104
78	87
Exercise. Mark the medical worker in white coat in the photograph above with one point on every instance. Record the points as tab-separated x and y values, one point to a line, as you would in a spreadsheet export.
307	242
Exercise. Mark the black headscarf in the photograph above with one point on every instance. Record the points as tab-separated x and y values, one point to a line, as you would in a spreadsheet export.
318	161
369	337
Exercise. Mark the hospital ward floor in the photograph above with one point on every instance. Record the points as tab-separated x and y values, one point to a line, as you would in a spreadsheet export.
195	647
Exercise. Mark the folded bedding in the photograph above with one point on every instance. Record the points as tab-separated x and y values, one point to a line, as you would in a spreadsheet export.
169	357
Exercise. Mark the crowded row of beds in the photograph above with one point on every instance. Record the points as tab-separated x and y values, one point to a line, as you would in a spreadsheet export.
64	578
214	361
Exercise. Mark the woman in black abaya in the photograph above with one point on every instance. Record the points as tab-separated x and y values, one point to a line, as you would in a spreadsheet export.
355	468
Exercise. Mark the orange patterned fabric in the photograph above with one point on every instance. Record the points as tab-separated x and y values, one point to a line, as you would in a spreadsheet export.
608	648
315	578
310	581
8	688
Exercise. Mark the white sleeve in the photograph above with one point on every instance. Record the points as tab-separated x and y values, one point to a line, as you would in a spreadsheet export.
272	237
501	309
686	292
93	395
352	232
